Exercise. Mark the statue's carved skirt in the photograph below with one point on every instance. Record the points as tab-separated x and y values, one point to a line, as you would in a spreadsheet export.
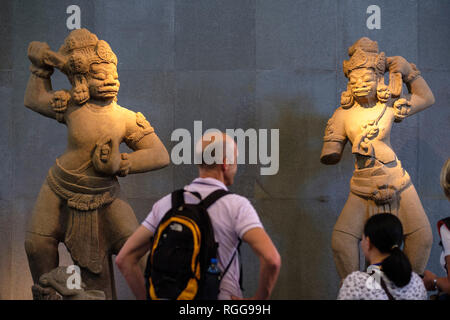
84	195
380	183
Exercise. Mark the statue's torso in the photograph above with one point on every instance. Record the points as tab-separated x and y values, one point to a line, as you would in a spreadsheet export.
379	139
86	125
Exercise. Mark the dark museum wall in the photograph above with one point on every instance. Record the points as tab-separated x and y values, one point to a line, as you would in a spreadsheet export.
232	64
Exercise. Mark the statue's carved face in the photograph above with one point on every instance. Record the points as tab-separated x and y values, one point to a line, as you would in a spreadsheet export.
103	81
363	83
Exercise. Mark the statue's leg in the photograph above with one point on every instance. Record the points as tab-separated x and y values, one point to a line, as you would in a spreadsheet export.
116	223
417	229
44	233
345	252
124	224
346	235
121	223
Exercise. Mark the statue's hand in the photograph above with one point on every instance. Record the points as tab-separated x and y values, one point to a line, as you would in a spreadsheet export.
399	64
125	165
402	107
80	91
37	52
60	100
106	157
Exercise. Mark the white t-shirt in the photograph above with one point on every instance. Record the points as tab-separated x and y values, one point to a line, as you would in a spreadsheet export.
231	217
445	238
358	286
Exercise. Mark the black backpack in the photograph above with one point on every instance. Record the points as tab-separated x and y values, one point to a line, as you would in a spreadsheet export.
181	252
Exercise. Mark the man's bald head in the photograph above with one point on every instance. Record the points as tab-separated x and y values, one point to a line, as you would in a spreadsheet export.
216	148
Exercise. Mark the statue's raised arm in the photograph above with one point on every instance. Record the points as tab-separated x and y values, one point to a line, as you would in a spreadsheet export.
419	95
39	95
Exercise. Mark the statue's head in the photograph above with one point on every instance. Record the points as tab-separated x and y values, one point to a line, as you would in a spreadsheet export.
365	71
91	67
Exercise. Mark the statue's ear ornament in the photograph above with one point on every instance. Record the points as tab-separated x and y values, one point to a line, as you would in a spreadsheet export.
80	89
380	63
105	52
78	63
383	92
347	99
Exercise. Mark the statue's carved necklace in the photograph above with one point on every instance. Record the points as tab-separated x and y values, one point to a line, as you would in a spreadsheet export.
363	142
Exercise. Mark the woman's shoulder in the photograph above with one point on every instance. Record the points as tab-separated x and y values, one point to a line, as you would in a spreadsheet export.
358	275
415	276
356	279
416	280
414	290
356	286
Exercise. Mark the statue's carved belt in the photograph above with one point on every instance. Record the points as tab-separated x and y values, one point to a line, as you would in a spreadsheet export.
84	195
380	183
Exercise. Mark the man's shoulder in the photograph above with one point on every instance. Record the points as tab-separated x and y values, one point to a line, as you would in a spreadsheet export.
236	200
237	197
163	204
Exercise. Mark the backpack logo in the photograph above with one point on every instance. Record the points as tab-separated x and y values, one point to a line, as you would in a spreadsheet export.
176	227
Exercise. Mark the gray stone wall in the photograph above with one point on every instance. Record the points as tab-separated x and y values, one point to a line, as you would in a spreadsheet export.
232	64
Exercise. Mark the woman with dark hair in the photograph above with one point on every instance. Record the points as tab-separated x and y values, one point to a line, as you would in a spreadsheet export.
389	275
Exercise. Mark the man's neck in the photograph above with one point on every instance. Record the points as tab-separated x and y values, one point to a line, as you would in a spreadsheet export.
212	174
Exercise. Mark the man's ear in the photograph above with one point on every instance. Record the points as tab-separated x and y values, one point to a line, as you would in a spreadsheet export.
226	162
224	166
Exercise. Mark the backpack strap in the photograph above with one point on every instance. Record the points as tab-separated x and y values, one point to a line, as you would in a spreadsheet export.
178	197
238	250
241	274
213	197
206	203
383	285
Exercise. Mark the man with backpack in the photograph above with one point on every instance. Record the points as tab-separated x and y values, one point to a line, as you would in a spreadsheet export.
194	243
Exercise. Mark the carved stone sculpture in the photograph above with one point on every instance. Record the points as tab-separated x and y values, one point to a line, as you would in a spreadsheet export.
80	202
379	184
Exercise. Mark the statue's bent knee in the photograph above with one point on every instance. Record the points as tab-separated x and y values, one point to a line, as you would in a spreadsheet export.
35	244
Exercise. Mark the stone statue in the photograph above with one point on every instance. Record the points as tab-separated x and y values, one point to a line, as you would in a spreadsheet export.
80	202
379	183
